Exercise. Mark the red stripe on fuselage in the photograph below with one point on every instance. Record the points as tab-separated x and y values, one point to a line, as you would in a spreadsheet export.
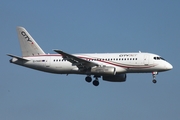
103	61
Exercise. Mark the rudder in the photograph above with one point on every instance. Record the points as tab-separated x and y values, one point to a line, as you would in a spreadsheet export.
29	47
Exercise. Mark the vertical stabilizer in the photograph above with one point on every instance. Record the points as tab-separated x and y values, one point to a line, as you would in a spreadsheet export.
29	47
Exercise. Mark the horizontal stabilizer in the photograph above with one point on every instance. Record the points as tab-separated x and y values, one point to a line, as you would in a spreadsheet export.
20	58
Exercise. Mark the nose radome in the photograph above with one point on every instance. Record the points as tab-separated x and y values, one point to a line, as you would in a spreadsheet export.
169	66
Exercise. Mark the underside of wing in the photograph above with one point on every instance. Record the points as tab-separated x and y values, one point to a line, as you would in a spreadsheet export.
79	62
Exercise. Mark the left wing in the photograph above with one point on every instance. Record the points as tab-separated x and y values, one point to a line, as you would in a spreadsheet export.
79	62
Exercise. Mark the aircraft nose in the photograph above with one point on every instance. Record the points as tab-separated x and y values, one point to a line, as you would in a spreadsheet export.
169	66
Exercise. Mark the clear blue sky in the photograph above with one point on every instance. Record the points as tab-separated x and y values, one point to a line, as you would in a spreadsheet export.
90	27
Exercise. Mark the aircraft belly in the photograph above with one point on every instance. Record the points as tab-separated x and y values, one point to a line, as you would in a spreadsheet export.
139	70
62	68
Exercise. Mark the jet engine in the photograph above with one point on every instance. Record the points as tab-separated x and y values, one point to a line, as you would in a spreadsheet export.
115	78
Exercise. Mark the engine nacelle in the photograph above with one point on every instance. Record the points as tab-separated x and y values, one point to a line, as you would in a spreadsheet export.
115	78
103	70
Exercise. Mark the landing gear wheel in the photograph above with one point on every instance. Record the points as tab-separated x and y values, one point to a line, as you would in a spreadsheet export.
95	82
88	79
154	81
154	77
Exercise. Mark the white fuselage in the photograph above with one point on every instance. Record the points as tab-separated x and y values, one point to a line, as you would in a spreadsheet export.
110	66
122	62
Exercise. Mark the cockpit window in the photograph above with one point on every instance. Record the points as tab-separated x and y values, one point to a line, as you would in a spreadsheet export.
159	58
162	58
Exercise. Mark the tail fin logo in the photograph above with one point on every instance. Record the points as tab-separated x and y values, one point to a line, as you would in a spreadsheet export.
26	37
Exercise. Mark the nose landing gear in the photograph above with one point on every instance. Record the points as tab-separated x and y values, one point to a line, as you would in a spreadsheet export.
154	81
154	77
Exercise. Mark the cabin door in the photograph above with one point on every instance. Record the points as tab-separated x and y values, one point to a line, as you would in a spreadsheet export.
48	61
146	59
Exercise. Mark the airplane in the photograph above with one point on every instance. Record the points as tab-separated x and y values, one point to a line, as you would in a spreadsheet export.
111	67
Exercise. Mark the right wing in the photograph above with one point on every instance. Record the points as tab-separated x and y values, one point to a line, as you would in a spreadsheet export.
79	62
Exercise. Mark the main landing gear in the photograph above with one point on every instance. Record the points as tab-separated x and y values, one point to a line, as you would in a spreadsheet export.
95	82
88	79
154	77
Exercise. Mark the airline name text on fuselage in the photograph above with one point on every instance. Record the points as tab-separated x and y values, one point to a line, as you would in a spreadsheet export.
127	55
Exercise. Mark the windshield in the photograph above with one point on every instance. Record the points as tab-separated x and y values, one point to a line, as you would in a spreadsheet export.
159	58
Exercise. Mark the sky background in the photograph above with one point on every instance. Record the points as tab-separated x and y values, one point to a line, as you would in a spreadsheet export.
96	26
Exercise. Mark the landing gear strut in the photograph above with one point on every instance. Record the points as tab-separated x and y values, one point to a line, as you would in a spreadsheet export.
154	77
